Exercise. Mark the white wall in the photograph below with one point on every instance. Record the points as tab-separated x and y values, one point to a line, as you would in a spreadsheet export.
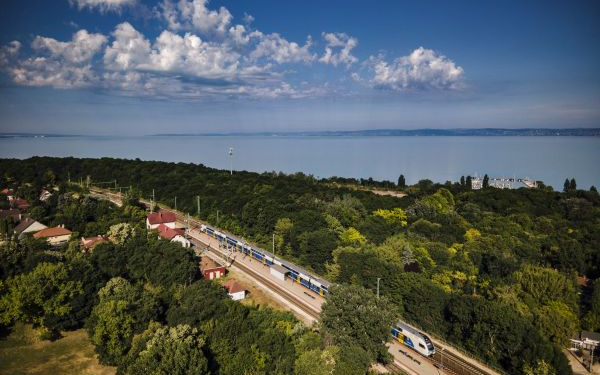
237	296
182	240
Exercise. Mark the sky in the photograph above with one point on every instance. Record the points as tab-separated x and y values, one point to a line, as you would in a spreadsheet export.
131	67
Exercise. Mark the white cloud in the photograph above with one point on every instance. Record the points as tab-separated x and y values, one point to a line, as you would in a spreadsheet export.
170	53
194	15
276	48
103	5
422	69
58	64
9	53
129	49
79	50
338	49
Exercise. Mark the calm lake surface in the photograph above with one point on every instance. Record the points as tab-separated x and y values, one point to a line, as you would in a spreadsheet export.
550	159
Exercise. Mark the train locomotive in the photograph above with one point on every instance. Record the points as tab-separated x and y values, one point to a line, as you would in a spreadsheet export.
413	339
296	273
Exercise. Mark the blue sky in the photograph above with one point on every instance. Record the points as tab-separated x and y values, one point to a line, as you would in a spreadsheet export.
134	66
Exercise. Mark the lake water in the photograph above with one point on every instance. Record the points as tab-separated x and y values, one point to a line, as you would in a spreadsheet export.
550	159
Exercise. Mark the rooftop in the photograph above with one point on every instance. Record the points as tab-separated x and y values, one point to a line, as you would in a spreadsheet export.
233	286
161	217
169	233
52	232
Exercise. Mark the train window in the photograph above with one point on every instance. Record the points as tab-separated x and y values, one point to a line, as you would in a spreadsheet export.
421	346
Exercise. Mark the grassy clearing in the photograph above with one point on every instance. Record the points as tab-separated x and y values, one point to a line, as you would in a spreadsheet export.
255	296
23	353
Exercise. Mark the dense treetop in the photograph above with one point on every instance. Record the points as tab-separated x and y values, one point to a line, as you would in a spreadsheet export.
493	271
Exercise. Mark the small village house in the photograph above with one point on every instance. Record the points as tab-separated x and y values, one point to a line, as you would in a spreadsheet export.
173	235
89	243
28	225
154	219
235	291
54	236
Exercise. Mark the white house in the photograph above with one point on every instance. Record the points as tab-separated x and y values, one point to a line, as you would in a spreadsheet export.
234	290
45	195
54	236
154	219
28	225
173	235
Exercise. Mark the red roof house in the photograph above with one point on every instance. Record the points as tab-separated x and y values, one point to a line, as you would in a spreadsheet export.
173	234
21	204
7	191
54	236
89	242
235	290
154	219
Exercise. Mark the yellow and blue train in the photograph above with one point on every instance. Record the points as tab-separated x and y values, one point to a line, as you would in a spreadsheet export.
296	273
414	339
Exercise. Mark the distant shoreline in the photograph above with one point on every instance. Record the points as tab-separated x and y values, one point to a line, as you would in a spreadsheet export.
486	132
478	132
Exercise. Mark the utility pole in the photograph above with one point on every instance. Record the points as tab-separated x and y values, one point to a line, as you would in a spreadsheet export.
115	184
198	198
217	217
69	174
273	244
175	203
231	160
152	204
379	278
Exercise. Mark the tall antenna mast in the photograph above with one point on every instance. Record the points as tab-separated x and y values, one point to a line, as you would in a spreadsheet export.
231	160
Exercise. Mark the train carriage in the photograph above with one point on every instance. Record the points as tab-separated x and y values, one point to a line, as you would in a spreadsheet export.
296	273
414	339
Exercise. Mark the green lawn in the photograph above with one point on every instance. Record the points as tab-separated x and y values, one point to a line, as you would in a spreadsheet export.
23	353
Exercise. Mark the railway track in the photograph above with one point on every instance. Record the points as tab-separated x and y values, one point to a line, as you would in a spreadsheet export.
444	360
282	292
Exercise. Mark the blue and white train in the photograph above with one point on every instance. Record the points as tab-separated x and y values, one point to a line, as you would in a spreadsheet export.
295	273
413	339
401	332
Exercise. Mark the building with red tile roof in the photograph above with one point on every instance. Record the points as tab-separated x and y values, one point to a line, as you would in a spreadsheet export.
90	242
54	236
154	219
235	290
173	235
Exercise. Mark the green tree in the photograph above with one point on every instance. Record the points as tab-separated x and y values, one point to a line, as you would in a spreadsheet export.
591	320
567	185
121	233
123	309
354	315
486	181
469	183
32	296
573	185
545	285
395	216
197	303
557	322
352	237
401	182
167	350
